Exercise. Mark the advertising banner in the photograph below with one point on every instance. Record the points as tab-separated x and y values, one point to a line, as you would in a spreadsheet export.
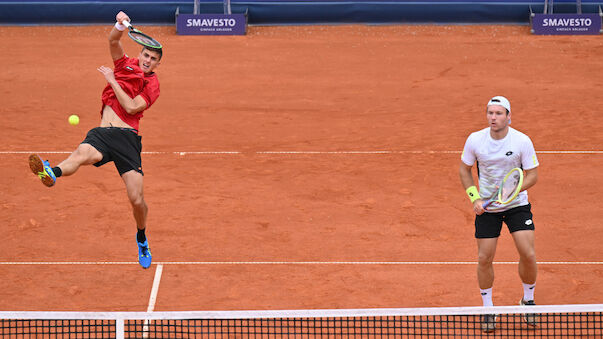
211	24
566	24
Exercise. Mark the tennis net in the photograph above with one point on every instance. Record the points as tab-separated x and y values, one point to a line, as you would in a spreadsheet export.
550	321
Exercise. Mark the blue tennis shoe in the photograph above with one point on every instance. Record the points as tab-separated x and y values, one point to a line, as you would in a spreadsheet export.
42	169
144	254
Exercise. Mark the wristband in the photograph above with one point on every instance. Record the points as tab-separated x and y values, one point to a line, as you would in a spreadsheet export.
120	27
473	193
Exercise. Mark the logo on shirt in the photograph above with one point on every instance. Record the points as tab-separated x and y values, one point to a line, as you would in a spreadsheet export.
508	153
129	68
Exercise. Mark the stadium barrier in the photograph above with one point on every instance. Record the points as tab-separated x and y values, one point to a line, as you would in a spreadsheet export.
282	12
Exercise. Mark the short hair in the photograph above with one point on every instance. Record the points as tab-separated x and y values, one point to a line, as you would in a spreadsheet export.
156	50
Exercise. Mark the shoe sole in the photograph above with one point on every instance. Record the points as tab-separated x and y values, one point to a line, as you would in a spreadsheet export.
488	330
489	327
141	264
530	322
37	167
145	267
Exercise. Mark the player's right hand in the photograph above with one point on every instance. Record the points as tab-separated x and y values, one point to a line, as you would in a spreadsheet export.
478	207
121	17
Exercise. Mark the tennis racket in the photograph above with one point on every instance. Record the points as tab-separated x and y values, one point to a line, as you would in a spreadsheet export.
141	38
508	189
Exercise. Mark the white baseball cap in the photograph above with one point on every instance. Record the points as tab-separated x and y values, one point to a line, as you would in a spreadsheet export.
501	101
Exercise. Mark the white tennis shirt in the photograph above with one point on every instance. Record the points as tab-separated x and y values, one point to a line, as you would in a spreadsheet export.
495	158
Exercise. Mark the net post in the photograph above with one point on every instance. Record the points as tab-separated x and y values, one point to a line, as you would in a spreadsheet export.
227	9
552	4
119	328
548	7
532	14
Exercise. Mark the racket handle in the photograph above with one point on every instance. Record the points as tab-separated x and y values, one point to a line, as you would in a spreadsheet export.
126	23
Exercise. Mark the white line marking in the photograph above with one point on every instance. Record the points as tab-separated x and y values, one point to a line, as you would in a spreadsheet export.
39	152
307	152
195	153
155	289
149	153
333	152
570	152
17	263
119	328
152	298
68	262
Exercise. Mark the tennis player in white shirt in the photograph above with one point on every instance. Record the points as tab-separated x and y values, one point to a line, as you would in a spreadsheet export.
497	149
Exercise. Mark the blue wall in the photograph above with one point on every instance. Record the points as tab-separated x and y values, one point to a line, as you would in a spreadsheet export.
277	12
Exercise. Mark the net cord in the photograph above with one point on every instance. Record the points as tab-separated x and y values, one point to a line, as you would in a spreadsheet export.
318	313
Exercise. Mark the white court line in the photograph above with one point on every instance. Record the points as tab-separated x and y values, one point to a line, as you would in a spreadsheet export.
155	289
40	152
150	153
337	152
17	263
570	152
152	298
412	152
377	152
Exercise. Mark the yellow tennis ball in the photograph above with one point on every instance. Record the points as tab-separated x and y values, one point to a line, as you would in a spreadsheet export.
74	119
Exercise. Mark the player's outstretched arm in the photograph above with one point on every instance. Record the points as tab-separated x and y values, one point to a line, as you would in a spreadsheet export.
115	47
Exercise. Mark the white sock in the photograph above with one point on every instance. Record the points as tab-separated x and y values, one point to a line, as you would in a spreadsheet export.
528	291
487	296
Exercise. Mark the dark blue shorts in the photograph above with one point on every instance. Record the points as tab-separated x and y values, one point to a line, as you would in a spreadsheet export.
489	225
120	145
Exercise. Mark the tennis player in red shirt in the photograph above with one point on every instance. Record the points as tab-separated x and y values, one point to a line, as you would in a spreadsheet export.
132	87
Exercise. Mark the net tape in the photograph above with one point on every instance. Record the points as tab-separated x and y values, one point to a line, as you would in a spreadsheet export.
553	322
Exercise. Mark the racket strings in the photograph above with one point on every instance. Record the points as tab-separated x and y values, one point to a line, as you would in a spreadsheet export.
144	39
510	186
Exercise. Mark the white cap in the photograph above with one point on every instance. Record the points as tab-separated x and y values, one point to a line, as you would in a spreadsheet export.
501	101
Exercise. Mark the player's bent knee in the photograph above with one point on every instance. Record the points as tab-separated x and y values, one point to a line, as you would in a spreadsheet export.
85	153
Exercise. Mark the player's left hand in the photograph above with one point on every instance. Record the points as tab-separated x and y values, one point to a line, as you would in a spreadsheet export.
107	73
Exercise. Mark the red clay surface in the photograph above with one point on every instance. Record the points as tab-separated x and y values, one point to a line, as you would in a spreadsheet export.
324	89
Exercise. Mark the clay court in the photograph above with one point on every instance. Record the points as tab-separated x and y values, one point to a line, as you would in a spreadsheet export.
301	167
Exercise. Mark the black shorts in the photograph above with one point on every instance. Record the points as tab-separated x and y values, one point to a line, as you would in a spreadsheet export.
489	225
120	145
